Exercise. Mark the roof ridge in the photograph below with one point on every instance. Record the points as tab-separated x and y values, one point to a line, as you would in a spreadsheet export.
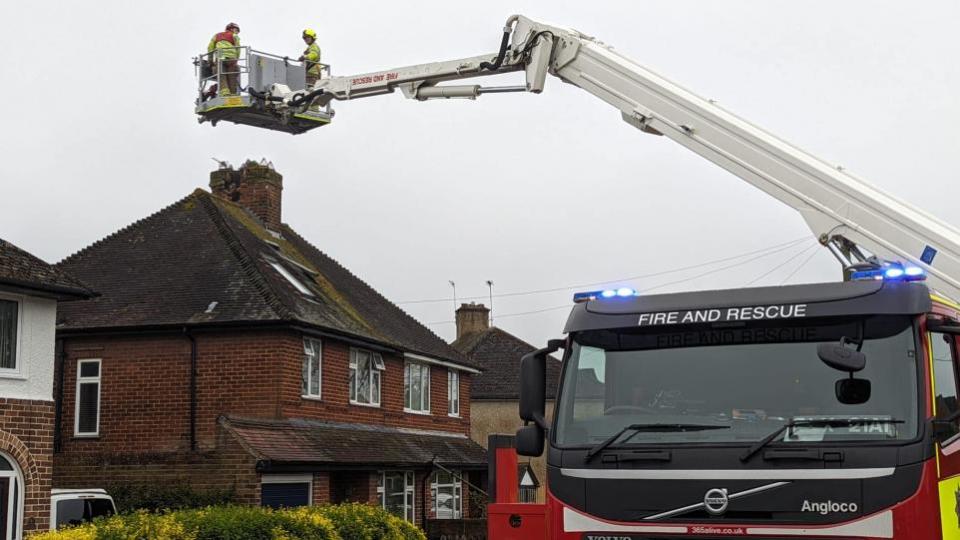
246	262
361	280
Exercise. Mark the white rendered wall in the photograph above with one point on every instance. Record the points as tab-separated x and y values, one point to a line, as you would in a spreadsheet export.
35	356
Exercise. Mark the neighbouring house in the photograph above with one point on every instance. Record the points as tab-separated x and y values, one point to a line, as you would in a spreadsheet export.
225	352
29	292
495	393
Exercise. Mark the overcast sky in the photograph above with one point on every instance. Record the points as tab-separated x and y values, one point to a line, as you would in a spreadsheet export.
532	192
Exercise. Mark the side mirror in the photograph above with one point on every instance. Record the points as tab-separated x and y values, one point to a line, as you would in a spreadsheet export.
841	358
530	441
853	391
533	383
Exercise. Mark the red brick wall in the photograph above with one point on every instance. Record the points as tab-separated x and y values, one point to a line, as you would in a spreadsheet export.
229	467
26	435
334	403
145	387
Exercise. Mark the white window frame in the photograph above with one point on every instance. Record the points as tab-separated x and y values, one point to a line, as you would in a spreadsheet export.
289	479
408	490
318	350
377	367
456	488
297	284
453	393
408	406
13	513
17	370
76	400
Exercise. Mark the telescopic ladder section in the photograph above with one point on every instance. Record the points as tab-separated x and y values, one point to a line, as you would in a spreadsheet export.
861	225
847	214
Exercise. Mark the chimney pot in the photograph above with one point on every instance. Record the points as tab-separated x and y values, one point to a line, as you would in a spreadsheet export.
255	186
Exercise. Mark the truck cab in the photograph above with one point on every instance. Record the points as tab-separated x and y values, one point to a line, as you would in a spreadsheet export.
825	411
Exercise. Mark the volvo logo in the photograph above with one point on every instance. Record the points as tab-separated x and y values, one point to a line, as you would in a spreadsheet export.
716	501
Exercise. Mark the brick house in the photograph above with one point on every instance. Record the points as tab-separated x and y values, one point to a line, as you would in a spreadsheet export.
495	395
225	352
29	292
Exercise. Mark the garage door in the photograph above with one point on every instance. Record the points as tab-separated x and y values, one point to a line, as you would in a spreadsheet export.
286	494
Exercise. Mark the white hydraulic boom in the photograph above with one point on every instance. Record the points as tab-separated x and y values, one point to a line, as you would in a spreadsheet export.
860	224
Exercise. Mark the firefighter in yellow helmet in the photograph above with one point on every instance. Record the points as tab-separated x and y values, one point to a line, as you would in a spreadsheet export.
224	49
311	57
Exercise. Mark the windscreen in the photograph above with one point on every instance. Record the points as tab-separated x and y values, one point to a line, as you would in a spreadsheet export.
744	382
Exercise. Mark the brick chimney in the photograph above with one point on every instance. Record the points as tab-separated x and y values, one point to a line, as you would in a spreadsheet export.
255	186
472	318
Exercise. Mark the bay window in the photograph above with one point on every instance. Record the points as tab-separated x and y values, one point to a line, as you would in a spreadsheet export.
9	334
395	489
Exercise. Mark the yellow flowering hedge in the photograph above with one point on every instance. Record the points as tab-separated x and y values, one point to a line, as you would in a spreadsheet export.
336	522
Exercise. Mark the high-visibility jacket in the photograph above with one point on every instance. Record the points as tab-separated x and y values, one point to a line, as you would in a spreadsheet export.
226	44
311	56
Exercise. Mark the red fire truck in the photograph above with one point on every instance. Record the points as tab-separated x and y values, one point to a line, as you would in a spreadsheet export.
813	411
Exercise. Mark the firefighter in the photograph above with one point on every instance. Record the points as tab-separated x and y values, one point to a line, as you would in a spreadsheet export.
311	57
224	49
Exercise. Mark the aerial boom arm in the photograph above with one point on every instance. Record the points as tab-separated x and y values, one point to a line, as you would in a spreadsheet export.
861	224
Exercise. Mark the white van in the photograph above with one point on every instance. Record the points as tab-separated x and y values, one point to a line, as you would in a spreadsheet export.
76	506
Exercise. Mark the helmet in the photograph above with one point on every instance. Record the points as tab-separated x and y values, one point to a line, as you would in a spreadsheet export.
309	33
233	25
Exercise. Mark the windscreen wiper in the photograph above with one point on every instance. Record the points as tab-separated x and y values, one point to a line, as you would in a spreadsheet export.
812	422
649	428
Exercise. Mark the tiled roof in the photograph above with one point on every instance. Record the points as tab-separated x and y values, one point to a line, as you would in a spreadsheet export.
309	442
205	260
22	270
497	353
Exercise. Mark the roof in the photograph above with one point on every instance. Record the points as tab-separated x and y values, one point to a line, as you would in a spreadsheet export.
293	442
497	353
749	304
21	270
207	261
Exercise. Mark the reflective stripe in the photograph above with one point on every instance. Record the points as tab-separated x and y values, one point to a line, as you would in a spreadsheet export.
728	474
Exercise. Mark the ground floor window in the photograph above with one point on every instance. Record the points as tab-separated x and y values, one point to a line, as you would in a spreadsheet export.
446	491
395	489
11	500
286	491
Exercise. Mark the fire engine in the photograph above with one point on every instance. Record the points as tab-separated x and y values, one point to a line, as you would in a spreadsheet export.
809	411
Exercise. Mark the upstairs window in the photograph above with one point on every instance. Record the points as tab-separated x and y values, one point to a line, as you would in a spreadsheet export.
9	330
87	422
416	387
311	367
365	369
453	392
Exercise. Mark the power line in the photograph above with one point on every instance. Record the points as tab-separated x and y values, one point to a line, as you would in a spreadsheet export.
781	265
675	282
797	269
729	266
632	278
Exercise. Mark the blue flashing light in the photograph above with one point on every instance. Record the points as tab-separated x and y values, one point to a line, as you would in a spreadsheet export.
606	294
893	272
890	273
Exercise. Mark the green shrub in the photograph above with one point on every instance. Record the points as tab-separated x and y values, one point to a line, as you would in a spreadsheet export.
156	497
335	522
